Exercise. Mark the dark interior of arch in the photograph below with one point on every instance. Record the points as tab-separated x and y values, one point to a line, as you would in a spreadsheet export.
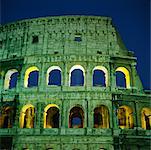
77	78
7	117
98	118
13	80
99	78
55	77
148	125
52	118
120	79
33	79
76	118
122	117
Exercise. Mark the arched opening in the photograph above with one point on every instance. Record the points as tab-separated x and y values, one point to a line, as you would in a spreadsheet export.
6	117
122	77
76	76
54	76
100	76
11	79
31	77
146	118
125	117
27	116
51	116
76	118
101	117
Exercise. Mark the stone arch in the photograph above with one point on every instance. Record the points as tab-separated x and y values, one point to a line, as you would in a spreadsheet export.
101	117
27	74
127	75
125	117
6	117
56	74
104	70
146	118
72	78
76	117
51	116
8	78
27	116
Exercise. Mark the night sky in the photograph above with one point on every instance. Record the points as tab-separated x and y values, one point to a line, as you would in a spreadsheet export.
131	18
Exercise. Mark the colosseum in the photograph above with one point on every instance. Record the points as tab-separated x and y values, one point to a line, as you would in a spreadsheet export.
69	83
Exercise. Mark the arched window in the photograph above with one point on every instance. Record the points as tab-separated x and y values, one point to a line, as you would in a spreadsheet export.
125	117
146	118
76	76
51	116
122	77
76	118
27	116
100	76
54	76
6	117
101	117
31	77
11	79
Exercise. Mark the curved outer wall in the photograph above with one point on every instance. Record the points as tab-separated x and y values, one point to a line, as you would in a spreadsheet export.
98	44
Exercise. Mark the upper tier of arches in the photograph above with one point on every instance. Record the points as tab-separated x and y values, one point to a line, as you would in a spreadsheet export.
77	76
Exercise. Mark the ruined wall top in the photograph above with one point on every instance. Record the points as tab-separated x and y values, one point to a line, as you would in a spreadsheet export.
84	35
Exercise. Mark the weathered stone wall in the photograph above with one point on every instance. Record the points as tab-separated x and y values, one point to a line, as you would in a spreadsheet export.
67	41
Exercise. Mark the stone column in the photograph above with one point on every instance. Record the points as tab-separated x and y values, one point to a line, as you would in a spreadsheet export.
2	78
112	77
115	117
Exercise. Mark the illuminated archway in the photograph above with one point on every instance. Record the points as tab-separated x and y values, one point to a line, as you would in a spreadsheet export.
77	76
146	118
125	117
27	116
7	117
76	117
97	81
54	76
51	116
27	75
127	75
10	79
101	117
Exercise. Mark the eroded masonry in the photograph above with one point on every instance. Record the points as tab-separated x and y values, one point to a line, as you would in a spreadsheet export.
69	83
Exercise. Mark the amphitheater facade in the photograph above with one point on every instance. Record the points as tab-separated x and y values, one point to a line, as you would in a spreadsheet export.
69	83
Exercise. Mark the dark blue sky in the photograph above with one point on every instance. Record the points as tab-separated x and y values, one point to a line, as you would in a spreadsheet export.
131	18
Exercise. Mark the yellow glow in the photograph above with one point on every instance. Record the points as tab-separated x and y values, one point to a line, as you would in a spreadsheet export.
102	68
76	67
23	113
128	117
127	75
146	112
28	71
49	70
45	113
8	77
6	114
